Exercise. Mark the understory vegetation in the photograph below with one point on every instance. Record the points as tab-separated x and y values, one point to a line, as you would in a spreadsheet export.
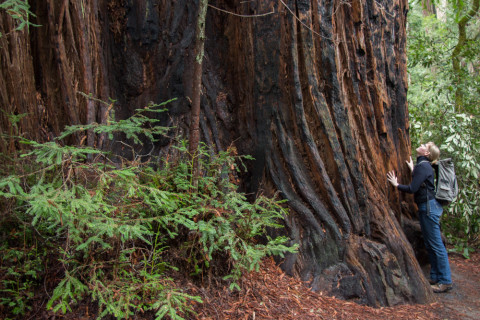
115	229
444	100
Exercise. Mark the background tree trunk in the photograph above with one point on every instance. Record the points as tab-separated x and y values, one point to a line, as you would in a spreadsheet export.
315	91
199	51
428	8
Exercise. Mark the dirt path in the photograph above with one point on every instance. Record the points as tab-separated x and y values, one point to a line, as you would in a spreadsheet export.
463	302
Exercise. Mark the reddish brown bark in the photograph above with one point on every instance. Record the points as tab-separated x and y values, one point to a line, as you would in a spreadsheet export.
17	85
316	92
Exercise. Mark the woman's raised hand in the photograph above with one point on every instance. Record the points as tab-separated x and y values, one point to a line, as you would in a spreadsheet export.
392	178
410	164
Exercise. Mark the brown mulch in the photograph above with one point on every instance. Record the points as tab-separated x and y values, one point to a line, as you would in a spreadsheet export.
270	294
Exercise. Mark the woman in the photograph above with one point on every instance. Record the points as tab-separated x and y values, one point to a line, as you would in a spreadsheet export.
429	211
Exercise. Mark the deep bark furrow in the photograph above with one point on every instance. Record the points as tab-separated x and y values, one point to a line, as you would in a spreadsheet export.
356	99
356	192
303	184
326	121
307	218
317	162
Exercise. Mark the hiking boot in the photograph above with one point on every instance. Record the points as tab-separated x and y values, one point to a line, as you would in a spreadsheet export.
433	281
442	287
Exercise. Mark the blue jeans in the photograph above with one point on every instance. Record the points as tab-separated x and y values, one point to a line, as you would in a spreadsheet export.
437	253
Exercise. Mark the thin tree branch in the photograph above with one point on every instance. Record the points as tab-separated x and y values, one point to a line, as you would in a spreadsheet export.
243	15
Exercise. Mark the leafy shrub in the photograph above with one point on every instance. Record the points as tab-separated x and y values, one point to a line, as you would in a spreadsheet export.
443	107
462	223
458	138
115	221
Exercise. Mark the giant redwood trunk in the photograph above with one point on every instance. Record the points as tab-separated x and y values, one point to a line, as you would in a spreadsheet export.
315	90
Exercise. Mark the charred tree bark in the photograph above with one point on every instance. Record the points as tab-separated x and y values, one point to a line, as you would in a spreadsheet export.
314	90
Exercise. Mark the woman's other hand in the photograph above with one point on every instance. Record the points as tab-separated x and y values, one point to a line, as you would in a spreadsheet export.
392	178
410	164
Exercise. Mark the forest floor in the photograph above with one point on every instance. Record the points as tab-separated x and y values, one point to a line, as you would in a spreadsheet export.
270	294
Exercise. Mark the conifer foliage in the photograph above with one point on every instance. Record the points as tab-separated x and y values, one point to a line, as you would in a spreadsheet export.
116	228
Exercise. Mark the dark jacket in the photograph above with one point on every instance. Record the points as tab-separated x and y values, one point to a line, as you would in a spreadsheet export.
422	172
